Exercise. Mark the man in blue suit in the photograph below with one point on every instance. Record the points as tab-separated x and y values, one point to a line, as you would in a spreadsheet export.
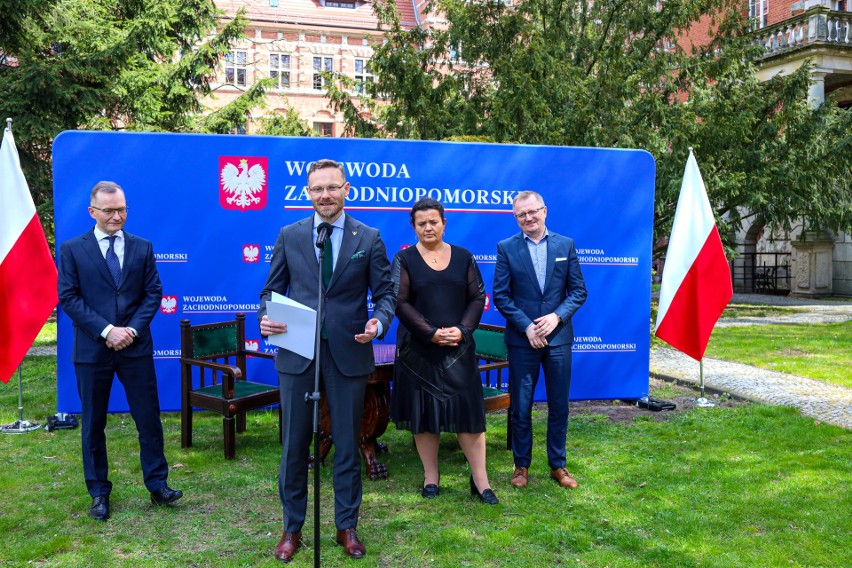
356	262
110	288
538	286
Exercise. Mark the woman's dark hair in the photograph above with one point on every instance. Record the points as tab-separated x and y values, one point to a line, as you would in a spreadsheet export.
426	204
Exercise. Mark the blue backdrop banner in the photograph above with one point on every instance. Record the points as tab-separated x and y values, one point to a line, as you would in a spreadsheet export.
212	205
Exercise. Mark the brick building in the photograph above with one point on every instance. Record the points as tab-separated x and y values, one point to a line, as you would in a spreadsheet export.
819	31
293	42
816	30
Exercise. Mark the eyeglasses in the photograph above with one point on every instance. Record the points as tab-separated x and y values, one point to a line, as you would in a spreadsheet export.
318	189
530	213
110	212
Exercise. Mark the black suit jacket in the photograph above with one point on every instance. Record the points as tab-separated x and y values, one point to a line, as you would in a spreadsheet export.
91	299
362	264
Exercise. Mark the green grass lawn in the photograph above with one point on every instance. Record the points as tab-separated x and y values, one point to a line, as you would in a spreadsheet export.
747	485
817	351
47	335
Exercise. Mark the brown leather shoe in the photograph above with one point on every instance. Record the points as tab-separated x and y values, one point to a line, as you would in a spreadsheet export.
289	545
563	478
348	539
520	477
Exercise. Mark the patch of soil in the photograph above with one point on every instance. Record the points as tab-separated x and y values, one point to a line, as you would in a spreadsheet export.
625	411
796	353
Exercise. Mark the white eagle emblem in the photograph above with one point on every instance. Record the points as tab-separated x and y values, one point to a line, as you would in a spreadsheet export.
250	253
168	304
252	345
243	185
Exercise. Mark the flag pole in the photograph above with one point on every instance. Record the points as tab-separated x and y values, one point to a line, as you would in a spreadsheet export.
702	402
20	426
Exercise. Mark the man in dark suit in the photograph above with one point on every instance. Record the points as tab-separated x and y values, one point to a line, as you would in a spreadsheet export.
110	288
356	262
538	285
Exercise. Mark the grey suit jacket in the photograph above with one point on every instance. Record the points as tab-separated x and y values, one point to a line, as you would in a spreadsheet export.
91	299
362	265
519	298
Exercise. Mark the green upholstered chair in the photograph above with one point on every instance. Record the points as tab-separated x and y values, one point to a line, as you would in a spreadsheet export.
216	354
491	352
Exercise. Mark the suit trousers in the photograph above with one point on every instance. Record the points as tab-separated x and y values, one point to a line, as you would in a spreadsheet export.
94	383
525	363
345	398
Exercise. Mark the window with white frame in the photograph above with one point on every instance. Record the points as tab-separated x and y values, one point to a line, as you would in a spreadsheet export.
235	68
757	10
321	64
279	70
362	75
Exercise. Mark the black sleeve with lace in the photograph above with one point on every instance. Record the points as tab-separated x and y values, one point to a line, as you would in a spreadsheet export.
475	297
408	315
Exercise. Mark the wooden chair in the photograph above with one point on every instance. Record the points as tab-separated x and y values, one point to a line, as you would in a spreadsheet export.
491	351
214	347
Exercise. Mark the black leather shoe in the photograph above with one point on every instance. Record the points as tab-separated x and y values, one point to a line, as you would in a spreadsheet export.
487	496
100	508
165	495
430	491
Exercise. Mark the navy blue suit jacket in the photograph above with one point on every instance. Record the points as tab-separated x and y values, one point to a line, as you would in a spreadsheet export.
362	264
91	299
519	298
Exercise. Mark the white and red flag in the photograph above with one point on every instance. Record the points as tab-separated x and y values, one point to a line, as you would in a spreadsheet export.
27	272
696	278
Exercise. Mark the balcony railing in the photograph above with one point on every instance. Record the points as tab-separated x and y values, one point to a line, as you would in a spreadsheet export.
817	26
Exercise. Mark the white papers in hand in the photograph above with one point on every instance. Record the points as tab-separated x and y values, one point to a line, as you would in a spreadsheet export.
301	325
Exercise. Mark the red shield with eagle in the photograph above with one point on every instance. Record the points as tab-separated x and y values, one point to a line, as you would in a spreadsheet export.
168	305
251	253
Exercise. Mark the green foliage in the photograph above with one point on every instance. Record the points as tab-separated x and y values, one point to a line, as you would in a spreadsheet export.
236	112
338	88
17	16
107	64
621	74
288	123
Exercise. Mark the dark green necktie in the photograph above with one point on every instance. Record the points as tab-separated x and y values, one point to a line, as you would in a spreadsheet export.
327	262
327	269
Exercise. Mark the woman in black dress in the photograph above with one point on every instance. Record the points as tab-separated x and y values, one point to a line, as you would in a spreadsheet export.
437	387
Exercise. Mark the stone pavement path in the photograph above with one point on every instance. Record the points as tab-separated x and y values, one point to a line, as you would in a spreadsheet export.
807	311
829	403
825	402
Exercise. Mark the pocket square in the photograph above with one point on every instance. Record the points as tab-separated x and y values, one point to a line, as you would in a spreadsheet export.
561	258
359	254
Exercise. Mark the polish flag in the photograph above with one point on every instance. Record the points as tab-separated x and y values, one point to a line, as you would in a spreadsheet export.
696	278
27	273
